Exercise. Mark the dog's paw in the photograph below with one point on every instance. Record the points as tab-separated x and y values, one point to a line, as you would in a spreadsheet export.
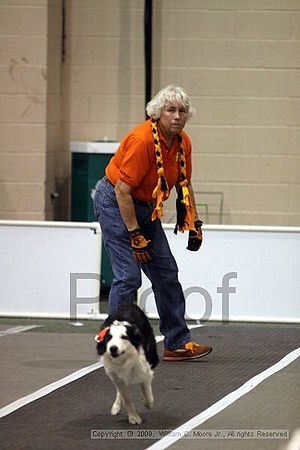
115	409
134	419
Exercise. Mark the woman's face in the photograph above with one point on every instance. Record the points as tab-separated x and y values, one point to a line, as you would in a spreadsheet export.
172	119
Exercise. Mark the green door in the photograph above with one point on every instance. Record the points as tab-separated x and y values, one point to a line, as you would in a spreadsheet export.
87	169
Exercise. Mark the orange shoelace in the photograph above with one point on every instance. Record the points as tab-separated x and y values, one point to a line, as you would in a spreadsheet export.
191	346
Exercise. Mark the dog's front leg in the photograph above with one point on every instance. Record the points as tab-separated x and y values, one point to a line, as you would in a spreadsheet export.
123	390
116	407
147	393
133	416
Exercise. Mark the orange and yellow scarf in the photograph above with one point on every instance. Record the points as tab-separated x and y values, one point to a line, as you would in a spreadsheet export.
184	207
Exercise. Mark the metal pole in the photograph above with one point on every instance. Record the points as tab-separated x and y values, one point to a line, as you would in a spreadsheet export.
148	50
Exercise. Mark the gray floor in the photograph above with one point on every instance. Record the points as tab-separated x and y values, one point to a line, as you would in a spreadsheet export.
63	419
30	360
273	405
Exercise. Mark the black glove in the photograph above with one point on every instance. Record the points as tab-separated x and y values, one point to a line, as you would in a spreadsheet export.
195	237
140	246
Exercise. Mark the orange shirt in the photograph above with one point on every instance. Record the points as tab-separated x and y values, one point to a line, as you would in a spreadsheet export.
134	162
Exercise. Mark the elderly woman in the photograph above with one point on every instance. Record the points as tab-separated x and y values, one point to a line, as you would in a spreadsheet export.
152	158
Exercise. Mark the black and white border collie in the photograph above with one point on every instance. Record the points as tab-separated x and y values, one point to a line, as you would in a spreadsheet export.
127	346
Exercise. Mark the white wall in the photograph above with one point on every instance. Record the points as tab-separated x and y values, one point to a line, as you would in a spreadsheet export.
39	260
261	266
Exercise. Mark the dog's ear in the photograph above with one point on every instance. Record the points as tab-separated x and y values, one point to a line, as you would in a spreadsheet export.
101	335
101	338
134	334
101	348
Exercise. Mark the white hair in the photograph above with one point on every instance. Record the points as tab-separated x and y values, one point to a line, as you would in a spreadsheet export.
169	94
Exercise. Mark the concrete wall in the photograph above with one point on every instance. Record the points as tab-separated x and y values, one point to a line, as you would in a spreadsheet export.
238	59
30	103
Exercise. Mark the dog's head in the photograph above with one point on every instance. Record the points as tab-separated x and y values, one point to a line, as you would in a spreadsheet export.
120	338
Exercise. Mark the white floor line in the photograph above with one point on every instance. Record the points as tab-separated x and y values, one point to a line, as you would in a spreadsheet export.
16	330
217	407
11	407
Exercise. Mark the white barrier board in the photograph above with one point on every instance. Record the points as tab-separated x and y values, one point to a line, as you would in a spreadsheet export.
239	274
39	263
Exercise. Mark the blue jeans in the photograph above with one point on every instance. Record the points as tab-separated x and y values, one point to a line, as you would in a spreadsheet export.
162	270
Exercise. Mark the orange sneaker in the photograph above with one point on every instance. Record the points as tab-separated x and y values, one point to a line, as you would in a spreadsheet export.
190	350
